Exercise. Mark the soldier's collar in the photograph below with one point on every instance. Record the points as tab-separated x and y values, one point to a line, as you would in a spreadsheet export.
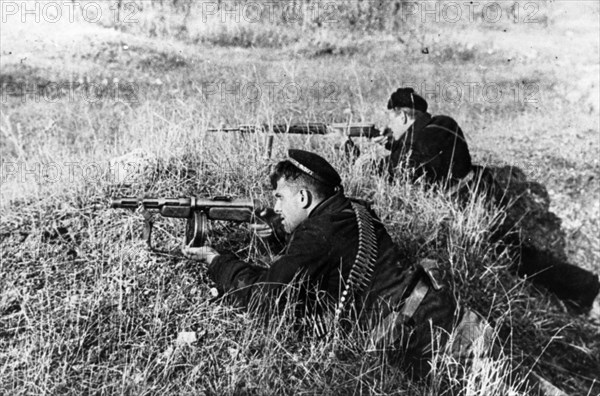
421	122
329	203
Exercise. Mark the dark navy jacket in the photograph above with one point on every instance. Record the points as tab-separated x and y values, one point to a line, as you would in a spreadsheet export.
322	249
433	146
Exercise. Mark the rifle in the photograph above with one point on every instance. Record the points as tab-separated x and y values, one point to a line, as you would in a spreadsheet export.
349	130
196	210
310	128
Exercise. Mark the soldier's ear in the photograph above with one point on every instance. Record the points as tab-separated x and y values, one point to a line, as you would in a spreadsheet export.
305	198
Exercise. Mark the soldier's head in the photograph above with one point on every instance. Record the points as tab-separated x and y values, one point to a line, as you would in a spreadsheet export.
300	184
406	107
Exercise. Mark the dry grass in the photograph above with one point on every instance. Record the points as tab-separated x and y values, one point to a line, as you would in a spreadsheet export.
85	308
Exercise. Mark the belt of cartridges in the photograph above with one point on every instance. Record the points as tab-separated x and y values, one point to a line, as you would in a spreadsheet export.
361	272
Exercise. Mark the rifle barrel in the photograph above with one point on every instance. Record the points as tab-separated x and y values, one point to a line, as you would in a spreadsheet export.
125	202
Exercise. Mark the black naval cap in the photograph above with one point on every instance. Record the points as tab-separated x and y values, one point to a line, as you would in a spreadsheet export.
406	97
315	166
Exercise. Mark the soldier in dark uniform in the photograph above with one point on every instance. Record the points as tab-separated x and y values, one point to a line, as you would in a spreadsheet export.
343	253
429	144
435	147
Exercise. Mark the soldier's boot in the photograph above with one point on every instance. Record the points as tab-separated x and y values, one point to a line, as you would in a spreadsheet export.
576	286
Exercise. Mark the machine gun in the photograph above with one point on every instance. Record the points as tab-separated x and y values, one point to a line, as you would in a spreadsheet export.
196	210
310	128
349	130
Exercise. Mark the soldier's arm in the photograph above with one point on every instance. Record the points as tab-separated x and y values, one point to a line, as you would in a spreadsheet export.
271	230
307	254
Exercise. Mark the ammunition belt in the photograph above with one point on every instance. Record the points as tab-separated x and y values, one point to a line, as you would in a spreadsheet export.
361	272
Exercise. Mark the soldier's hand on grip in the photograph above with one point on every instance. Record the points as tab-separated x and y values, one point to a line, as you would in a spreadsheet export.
203	253
262	230
266	221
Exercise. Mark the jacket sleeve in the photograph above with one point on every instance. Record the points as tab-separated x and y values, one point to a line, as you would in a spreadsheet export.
307	254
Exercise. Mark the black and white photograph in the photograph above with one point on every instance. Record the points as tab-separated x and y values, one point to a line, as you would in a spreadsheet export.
300	197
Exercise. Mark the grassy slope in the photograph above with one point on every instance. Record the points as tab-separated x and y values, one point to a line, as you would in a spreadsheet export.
94	311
